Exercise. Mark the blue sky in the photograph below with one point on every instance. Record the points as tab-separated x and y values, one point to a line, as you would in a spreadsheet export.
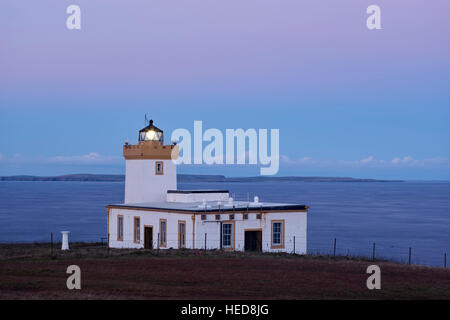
348	101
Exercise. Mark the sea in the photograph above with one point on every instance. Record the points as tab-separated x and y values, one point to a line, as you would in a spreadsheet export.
395	218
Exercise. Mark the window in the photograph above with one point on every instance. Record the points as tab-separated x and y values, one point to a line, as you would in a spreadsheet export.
259	216
227	235
245	216
217	216
181	234
119	228
231	216
159	168
163	233
137	229
278	234
204	217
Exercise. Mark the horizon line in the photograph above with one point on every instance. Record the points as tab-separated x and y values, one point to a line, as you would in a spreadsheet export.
228	177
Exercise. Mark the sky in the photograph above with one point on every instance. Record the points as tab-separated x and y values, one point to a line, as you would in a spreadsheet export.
348	101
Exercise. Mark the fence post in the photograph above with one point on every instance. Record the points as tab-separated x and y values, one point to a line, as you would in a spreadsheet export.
334	250
294	246
373	252
409	259
51	245
107	245
205	242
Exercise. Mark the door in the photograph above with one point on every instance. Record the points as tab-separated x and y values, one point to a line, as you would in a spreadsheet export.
148	237
253	240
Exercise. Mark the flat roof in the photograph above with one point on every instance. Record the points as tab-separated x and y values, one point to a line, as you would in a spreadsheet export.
211	206
197	191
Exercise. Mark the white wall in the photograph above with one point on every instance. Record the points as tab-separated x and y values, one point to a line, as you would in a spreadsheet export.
197	197
295	224
143	185
147	218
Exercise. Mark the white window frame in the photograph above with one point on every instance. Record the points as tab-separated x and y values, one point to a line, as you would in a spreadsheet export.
120	227
137	229
182	235
230	246
163	233
280	244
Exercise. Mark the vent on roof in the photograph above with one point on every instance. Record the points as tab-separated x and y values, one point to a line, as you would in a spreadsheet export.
255	202
203	205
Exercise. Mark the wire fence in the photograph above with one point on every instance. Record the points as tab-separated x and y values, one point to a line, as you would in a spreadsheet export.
418	255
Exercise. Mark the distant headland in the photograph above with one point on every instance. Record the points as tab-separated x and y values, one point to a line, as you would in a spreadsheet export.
190	178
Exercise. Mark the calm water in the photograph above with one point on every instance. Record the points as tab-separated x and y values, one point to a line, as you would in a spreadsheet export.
395	216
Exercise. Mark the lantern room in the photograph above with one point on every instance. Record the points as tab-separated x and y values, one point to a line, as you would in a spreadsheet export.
151	133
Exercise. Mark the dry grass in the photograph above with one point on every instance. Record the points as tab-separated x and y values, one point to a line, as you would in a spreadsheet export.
28	272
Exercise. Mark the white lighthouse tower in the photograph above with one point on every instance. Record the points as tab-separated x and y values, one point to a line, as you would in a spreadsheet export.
150	171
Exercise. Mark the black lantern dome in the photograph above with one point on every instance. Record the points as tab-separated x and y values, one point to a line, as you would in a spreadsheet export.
151	133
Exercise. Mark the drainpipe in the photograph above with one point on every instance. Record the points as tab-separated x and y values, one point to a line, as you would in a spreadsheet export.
220	226
193	231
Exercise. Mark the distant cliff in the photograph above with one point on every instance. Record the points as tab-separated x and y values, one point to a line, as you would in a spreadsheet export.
190	178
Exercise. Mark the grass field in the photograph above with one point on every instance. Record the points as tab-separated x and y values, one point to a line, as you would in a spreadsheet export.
27	271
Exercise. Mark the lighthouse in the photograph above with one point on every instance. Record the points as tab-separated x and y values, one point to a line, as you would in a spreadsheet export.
155	214
150	171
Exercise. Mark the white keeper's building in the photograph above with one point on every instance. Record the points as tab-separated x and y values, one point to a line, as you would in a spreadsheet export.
157	215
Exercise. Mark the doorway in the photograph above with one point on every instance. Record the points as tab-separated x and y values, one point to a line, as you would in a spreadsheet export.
253	240
148	237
